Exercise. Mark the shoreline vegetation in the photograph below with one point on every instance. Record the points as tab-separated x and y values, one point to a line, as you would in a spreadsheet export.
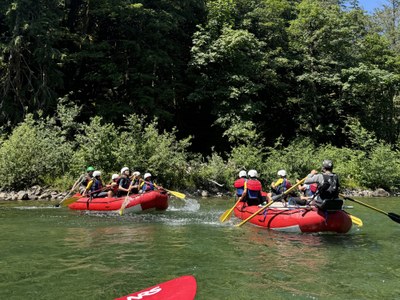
195	91
53	151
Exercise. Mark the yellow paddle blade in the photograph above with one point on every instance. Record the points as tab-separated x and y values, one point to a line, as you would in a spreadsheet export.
124	204
176	194
69	201
227	214
356	221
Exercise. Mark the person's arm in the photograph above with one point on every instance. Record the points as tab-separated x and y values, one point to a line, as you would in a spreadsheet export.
121	183
88	187
313	177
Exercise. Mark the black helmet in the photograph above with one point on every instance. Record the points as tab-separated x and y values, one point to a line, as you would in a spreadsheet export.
327	164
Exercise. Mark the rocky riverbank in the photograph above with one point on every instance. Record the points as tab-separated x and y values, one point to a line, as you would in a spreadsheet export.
47	194
34	193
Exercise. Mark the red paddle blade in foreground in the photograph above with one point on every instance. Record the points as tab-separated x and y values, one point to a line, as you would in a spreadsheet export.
182	288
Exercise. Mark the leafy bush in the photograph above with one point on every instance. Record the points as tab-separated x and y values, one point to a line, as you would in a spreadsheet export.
297	159
97	147
382	169
142	147
34	149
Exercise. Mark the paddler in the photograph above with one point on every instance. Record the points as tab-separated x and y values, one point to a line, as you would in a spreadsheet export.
94	189
147	184
86	179
240	183
124	183
327	195
252	193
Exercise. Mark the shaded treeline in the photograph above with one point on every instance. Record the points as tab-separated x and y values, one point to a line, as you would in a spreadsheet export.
257	73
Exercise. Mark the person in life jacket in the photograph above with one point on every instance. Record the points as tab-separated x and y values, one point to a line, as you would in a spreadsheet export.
327	195
95	187
86	179
308	190
281	185
147	184
252	193
124	182
136	181
113	186
239	183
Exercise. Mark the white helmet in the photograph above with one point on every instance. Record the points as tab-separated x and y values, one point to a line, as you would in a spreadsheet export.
124	169
242	173
282	173
146	175
252	174
96	173
114	176
136	173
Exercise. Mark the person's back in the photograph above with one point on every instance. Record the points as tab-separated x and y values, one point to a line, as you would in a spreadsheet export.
281	185
253	189
240	183
327	195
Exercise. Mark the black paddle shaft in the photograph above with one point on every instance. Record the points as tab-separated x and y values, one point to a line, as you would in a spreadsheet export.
393	216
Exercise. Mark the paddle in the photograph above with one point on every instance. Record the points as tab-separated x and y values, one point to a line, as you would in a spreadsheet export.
274	198
227	214
356	221
393	216
71	200
126	201
65	201
176	194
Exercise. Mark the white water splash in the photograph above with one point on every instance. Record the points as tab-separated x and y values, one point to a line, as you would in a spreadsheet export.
189	205
34	207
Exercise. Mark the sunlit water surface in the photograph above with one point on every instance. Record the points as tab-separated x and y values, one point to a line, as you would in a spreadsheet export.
54	253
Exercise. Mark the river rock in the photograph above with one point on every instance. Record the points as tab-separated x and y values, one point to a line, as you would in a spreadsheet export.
204	193
380	193
35	190
44	196
22	195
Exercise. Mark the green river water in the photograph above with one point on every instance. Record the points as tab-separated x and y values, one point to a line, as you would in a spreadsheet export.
54	253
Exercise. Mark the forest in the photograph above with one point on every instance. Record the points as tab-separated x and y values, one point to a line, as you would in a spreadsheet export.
196	90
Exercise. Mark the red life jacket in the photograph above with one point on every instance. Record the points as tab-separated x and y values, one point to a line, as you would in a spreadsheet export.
254	188
313	187
254	185
239	185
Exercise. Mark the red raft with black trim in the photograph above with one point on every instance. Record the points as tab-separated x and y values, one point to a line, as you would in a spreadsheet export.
157	200
296	219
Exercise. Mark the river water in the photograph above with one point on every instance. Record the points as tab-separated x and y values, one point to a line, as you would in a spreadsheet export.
55	253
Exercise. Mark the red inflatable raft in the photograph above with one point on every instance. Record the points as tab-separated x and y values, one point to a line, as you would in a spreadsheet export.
296	219
139	202
182	288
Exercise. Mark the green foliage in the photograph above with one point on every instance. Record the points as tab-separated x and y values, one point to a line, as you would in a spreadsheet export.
97	143
142	147
359	137
214	168
382	169
33	151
